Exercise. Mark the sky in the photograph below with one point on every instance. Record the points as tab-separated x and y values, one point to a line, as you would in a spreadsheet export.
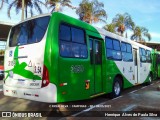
145	13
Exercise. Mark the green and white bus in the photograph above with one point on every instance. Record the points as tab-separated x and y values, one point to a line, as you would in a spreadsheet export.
55	58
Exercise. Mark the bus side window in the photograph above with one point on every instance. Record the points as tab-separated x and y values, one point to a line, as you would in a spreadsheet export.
142	54
98	55
158	58
65	49
79	47
72	42
65	41
91	50
113	49
126	49
148	56
117	50
65	33
78	35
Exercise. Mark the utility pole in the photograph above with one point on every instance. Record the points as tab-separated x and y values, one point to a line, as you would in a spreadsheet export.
22	17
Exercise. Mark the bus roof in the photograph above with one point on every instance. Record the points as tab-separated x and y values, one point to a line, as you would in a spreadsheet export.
34	17
115	36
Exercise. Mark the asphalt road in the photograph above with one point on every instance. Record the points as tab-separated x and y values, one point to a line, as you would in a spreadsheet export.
66	109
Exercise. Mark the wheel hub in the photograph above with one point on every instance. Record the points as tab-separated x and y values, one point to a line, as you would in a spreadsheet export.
117	88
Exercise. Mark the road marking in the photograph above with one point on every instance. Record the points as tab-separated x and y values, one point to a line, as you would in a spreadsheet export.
143	87
129	108
83	111
140	88
74	115
133	91
116	98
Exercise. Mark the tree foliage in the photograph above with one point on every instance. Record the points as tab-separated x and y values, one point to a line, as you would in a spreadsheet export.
110	27
123	22
56	5
140	33
28	4
91	11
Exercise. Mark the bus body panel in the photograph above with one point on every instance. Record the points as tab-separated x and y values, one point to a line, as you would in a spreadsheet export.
41	94
75	74
24	67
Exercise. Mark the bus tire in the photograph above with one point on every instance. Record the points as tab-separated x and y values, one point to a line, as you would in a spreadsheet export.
117	87
150	80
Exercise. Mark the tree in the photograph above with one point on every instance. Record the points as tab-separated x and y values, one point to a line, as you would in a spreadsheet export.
123	22
55	5
110	27
91	12
139	33
27	4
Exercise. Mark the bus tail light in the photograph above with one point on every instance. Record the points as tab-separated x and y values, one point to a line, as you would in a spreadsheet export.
45	78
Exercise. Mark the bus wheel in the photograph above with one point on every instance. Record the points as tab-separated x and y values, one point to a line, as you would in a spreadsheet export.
116	90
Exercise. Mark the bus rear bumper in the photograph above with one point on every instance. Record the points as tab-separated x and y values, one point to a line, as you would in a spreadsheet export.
46	94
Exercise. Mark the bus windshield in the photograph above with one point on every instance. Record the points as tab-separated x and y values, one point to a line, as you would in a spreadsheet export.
29	32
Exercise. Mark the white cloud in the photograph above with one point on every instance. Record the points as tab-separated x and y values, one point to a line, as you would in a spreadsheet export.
155	35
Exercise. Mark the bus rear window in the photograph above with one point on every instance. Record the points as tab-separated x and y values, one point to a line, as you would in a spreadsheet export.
29	32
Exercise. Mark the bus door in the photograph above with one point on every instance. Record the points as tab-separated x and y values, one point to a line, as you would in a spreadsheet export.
96	62
157	64
135	65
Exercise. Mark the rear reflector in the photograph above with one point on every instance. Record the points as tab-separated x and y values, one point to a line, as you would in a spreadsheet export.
63	84
45	78
36	95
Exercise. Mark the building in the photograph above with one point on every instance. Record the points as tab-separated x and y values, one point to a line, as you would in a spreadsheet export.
4	30
154	45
